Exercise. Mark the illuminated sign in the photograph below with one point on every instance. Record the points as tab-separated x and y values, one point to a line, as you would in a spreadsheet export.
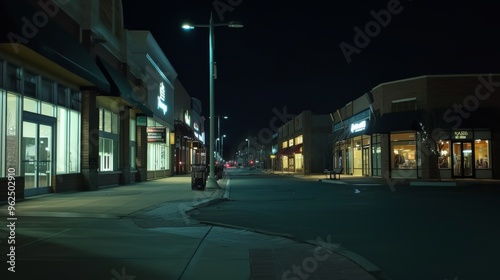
461	135
162	105
156	134
187	118
196	126
360	126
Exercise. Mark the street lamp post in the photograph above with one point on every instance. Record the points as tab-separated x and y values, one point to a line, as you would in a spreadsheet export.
212	182
248	152
218	131
222	147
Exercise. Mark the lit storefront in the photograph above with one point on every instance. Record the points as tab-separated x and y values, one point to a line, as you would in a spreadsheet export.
159	83
303	145
42	83
418	134
352	147
158	132
292	158
465	153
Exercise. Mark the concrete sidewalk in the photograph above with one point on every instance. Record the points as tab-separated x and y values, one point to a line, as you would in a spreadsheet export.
142	231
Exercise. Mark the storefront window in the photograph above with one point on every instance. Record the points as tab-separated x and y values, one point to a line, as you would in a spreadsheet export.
403	147
74	141
157	156
444	159
357	159
105	154
12	123
68	141
107	121
482	154
298	140
290	143
132	144
108	141
3	130
62	136
285	144
30	105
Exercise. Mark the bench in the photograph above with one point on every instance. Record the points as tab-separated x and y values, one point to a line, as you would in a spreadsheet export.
334	172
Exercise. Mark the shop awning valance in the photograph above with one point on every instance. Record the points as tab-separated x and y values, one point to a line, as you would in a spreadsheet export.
290	150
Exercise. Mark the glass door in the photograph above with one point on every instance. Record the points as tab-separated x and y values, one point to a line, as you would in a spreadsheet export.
462	159
36	156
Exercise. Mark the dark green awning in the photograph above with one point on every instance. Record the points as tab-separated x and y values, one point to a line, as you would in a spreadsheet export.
120	87
49	40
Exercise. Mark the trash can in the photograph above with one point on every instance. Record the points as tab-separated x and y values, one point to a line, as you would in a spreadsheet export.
198	177
219	170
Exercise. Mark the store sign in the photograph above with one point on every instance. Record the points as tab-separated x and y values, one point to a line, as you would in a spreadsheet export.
464	134
196	126
162	102
156	134
142	121
359	126
187	118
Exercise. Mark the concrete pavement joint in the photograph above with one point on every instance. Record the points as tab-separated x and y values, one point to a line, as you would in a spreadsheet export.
270	233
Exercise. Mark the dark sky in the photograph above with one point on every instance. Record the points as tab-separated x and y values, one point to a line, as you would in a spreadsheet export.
289	55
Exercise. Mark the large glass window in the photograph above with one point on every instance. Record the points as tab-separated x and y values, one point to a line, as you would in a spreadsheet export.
444	159
157	156
284	145
105	154
3	130
108	140
13	134
376	155
68	141
107	121
132	144
403	148
299	140
30	105
74	142
482	157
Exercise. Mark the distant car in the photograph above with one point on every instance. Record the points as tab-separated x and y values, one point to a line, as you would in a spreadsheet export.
252	167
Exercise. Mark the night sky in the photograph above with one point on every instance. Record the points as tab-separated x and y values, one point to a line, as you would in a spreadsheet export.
289	52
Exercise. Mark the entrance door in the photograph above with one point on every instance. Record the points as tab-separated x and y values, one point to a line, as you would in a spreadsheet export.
366	161
36	156
462	159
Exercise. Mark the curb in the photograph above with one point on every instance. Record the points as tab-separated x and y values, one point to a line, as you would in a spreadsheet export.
211	201
332	181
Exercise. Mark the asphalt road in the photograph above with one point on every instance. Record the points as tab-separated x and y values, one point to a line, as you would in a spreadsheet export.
410	233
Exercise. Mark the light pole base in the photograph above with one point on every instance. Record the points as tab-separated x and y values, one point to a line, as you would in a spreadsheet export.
212	183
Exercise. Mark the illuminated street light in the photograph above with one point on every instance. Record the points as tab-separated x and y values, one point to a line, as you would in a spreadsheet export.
212	182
